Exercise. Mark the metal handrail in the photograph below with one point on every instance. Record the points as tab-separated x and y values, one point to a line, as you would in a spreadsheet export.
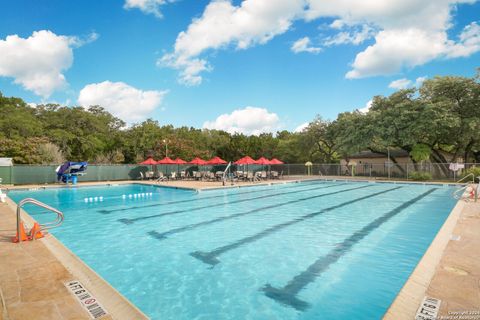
48	225
456	192
225	172
468	175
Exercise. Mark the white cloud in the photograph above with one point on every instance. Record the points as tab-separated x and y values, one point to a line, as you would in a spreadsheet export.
355	36
223	24
419	81
304	45
146	6
469	42
404	83
249	121
410	32
400	84
367	107
337	24
397	49
37	63
124	101
301	127
407	33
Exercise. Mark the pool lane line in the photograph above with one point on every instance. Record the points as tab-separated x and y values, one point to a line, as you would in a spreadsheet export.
132	220
295	185
287	295
163	235
211	257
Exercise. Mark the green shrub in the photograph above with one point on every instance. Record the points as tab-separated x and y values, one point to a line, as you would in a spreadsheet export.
420	176
474	170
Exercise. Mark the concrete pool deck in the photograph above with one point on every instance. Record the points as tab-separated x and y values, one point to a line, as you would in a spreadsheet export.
32	274
448	271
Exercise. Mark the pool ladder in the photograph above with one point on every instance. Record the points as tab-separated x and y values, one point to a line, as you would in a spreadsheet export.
41	227
457	194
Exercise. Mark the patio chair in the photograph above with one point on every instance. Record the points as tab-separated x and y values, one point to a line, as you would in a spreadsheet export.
263	175
173	175
210	176
141	176
149	175
161	177
239	175
183	175
198	175
274	174
251	177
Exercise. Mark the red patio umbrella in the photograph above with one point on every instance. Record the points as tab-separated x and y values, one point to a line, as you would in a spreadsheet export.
276	161
216	161
263	161
197	161
166	160
149	161
180	161
245	160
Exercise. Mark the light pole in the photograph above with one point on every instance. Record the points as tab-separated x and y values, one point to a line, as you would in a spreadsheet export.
166	147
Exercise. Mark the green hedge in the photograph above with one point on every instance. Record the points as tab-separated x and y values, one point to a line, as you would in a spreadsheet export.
420	176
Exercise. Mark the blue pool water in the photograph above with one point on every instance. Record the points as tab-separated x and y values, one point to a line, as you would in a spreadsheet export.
310	250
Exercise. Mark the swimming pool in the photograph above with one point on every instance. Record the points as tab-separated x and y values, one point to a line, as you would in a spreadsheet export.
310	250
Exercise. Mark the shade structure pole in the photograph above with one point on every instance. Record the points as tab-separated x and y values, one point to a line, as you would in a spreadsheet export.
388	161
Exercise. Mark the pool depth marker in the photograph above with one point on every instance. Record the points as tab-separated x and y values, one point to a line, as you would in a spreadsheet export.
287	294
210	257
132	220
163	235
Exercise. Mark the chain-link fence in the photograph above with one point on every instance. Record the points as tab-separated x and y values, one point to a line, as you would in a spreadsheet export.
409	171
44	174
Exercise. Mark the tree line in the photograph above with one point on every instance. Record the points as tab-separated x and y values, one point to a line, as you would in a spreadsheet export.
440	122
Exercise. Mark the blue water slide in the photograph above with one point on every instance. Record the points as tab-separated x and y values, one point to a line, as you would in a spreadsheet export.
71	170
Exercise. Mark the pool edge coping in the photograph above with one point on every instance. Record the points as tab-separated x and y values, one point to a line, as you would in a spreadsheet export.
116	304
410	296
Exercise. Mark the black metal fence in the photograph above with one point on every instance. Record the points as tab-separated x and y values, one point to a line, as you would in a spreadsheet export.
43	174
437	171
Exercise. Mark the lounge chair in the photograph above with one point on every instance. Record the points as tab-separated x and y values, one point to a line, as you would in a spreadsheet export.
141	176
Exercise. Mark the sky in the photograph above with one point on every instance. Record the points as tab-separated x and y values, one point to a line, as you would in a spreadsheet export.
247	66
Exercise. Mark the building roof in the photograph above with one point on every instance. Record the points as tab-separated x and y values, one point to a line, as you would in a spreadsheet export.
6	162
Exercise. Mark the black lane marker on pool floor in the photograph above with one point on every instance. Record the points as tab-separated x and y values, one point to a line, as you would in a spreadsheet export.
294	185
288	294
163	235
210	257
130	221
